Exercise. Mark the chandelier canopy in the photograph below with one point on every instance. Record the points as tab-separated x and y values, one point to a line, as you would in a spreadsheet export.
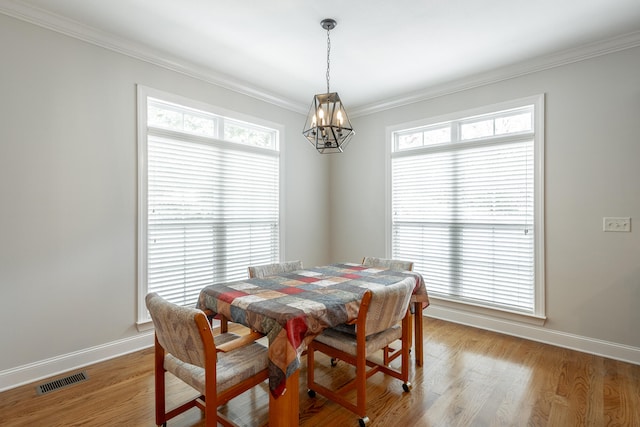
328	127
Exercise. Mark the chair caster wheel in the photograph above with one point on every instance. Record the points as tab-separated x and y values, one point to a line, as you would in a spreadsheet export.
364	422
334	362
407	386
311	393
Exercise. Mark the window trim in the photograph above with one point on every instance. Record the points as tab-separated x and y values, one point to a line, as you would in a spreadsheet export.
143	322
538	102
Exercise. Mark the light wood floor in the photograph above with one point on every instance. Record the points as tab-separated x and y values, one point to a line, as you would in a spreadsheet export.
470	377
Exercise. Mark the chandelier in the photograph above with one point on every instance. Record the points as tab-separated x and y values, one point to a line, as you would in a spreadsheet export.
328	127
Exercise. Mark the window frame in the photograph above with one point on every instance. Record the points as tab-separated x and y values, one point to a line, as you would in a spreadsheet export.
538	101
143	321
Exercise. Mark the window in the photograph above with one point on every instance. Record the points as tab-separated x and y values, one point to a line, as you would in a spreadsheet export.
466	205
209	188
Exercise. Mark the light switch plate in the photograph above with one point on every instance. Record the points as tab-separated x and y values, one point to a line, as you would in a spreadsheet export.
610	223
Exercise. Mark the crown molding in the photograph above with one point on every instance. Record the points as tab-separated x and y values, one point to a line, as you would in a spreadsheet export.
77	30
545	62
85	33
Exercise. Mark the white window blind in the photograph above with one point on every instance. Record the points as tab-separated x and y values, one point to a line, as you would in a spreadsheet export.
212	200
463	208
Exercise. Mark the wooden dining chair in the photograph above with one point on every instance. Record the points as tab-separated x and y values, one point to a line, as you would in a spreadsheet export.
265	270
376	326
219	368
400	265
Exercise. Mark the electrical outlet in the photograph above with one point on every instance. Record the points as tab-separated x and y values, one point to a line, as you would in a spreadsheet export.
610	223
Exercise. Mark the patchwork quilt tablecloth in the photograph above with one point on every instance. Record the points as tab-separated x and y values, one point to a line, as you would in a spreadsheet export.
292	308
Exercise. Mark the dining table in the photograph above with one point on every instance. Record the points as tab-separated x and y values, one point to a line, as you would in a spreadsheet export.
294	307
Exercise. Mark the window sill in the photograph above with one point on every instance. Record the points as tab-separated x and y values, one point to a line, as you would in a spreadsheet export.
144	326
456	308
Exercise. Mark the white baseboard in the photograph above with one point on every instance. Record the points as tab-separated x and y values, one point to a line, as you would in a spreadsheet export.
607	349
47	368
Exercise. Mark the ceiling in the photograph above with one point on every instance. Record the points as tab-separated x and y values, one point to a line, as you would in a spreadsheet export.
380	50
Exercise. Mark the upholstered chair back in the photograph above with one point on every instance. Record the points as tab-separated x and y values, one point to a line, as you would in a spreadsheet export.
265	270
388	306
177	330
391	264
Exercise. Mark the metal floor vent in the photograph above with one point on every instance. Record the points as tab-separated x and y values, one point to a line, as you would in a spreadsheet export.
62	382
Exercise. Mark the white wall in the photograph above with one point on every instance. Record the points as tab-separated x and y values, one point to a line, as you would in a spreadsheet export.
68	197
592	170
68	164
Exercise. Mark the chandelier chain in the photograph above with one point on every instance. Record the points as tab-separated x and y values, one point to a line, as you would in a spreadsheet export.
327	126
328	53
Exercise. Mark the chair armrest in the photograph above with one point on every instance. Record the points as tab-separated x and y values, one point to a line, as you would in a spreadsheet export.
239	342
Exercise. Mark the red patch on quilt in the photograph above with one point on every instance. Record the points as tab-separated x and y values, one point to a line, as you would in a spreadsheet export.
296	331
290	290
307	279
228	297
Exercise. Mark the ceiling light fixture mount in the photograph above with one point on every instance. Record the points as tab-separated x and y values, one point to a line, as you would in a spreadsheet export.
328	24
328	127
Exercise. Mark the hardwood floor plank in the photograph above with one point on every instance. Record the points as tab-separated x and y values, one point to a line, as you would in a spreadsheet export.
470	377
515	403
621	384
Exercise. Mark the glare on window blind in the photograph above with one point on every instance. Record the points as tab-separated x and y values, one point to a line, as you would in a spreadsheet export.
463	212
213	210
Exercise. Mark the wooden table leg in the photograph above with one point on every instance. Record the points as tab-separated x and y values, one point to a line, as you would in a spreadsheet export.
418	331
284	411
410	334
224	325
